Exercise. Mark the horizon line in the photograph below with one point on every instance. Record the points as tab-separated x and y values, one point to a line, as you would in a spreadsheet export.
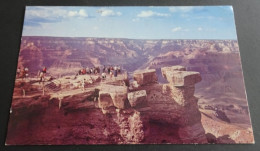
123	38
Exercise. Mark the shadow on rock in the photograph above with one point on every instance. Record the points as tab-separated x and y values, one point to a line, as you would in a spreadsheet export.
225	139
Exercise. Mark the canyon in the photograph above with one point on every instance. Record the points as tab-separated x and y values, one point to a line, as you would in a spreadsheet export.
155	99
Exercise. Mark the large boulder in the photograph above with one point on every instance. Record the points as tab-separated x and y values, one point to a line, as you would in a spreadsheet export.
183	78
113	95
119	99
137	98
145	77
171	69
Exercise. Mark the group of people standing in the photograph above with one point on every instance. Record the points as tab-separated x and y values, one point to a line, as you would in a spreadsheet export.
22	73
87	70
110	70
106	70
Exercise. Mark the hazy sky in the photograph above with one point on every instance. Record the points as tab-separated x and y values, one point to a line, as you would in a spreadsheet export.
185	22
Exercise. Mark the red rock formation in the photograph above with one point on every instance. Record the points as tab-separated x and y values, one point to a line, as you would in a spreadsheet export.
110	114
175	104
217	61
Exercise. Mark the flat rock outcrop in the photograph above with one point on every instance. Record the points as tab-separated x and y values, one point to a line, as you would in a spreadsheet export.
145	77
177	76
111	95
171	69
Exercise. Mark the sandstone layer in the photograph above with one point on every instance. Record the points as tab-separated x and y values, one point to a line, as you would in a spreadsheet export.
109	112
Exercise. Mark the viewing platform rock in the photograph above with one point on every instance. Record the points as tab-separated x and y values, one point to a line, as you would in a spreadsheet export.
116	110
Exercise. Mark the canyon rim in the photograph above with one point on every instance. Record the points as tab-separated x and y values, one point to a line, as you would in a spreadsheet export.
84	84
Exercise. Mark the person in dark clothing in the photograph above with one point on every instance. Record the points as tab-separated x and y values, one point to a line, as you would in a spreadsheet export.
98	70
115	73
108	70
119	70
42	74
104	68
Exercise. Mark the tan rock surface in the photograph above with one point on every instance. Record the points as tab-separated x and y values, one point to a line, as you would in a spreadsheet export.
137	98
171	69
145	77
105	100
118	95
183	78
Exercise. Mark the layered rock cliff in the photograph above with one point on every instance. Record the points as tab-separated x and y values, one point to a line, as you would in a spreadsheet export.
111	111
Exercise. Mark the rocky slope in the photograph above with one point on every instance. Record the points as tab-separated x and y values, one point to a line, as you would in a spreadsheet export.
106	113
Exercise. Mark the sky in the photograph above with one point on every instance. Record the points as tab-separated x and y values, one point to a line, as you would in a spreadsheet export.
149	22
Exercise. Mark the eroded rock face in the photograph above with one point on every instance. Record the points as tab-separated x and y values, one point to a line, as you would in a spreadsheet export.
110	114
174	104
105	100
131	125
137	98
181	83
145	77
112	95
182	95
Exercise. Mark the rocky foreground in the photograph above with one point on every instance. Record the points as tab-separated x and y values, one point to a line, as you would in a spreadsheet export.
118	111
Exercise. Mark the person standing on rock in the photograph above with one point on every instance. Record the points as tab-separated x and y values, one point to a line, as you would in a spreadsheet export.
42	74
44	70
18	72
22	74
115	72
108	70
83	71
104	68
26	70
103	75
98	69
119	70
111	74
87	70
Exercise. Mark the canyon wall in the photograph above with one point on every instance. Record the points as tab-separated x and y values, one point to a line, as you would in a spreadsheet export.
221	94
142	113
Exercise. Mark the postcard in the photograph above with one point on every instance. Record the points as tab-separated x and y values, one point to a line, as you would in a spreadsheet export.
129	75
